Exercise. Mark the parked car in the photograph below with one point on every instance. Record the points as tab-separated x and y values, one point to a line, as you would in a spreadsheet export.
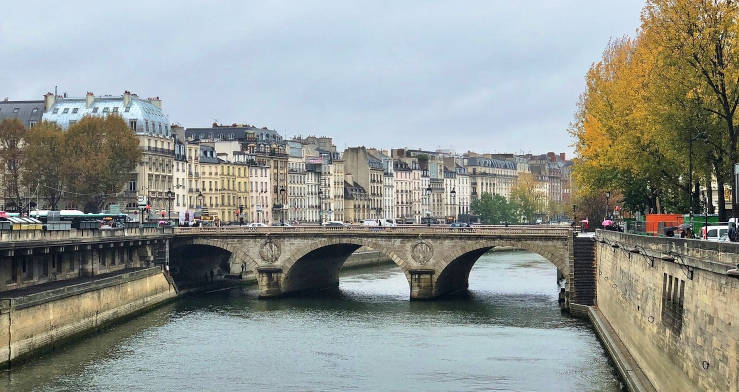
459	224
257	224
284	224
715	233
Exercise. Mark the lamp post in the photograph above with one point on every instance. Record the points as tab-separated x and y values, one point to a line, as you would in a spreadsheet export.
428	205
320	207
608	196
282	206
170	197
453	195
201	201
705	211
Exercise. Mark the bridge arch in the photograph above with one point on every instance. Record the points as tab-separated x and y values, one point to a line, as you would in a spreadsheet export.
237	254
454	271
317	263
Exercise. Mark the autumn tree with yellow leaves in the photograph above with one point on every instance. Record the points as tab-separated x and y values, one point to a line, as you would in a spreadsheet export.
656	100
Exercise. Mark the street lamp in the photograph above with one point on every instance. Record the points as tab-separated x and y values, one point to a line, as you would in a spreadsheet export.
705	211
282	205
201	201
453	195
170	197
320	206
428	204
608	196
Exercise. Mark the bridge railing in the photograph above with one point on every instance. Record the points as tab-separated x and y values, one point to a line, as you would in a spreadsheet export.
9	236
537	230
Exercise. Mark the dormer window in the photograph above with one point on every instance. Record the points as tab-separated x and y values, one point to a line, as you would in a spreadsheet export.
115	109
106	110
65	111
55	111
127	109
75	110
95	109
34	110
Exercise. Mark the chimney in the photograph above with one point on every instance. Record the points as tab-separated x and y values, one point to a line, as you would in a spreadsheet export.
562	156
551	157
89	99
126	98
49	99
156	102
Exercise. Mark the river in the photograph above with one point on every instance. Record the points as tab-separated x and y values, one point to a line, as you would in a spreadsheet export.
507	334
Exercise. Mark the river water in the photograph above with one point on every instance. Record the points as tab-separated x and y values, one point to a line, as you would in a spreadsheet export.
507	334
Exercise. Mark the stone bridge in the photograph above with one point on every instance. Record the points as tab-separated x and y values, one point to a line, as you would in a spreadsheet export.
435	260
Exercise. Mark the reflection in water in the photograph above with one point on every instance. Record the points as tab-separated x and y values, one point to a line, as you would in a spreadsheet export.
506	334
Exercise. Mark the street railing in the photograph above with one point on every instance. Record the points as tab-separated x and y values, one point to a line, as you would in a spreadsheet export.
538	230
10	237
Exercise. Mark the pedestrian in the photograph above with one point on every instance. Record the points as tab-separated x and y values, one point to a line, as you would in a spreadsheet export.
732	232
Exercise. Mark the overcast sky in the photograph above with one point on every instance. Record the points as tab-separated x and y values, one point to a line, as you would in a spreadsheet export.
487	76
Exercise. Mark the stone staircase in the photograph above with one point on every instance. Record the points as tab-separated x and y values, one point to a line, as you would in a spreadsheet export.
585	270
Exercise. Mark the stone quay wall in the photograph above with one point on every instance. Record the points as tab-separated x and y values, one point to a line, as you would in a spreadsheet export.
366	257
39	321
674	306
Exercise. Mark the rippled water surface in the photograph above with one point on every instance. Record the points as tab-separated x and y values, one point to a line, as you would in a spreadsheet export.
507	335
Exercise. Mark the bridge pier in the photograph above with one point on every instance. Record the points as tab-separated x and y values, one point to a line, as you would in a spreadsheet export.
269	281
422	283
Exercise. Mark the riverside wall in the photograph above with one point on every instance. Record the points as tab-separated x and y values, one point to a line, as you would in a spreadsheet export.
366	257
674	308
41	320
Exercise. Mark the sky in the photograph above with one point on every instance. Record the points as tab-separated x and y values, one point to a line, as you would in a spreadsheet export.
486	76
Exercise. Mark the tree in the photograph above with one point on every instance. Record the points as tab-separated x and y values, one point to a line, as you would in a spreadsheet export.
99	156
701	36
493	209
526	198
44	147
13	156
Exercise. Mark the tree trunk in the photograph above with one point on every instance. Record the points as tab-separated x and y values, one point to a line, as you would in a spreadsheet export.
696	198
732	161
721	199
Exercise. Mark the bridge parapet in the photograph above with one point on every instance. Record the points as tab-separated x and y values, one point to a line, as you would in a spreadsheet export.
31	238
508	231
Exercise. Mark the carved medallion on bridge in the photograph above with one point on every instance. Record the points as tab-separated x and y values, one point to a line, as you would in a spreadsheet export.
269	251
422	252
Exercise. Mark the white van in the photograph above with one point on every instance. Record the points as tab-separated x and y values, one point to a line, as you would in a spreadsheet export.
379	222
715	233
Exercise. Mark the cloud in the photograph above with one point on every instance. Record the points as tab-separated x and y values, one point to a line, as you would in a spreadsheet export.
479	75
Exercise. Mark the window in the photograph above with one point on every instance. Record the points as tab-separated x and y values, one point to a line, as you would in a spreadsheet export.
127	109
673	297
55	111
75	110
132	124
31	124
146	125
95	109
106	110
65	111
115	109
34	110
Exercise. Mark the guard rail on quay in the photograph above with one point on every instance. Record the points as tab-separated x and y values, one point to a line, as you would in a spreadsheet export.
12	238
